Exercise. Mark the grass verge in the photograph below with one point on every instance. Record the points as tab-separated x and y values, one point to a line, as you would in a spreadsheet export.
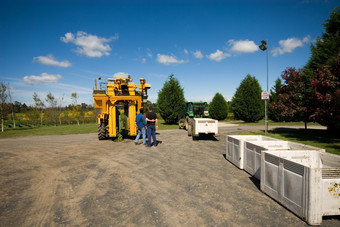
313	137
50	130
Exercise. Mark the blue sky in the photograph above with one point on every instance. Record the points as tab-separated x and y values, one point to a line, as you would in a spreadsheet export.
210	46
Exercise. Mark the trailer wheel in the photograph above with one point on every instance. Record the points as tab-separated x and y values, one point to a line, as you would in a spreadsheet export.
190	130
187	122
102	131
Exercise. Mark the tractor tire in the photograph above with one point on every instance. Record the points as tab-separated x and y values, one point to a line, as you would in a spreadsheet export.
102	131
181	124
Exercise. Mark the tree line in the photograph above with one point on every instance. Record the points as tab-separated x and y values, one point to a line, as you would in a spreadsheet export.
310	94
46	111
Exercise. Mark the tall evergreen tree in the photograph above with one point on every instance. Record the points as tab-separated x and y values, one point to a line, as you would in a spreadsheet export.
171	100
327	47
273	112
218	108
246	103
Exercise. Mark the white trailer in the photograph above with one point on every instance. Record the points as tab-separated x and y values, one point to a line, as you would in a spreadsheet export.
200	126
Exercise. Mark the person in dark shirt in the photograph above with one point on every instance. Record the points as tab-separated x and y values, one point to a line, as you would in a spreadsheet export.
152	125
140	125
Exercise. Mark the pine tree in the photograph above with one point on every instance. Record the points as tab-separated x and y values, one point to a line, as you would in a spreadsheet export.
246	103
218	108
171	100
327	47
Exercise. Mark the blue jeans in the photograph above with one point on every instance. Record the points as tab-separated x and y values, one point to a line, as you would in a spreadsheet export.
141	131
151	131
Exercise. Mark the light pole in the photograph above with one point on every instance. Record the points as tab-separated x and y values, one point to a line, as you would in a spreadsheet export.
263	47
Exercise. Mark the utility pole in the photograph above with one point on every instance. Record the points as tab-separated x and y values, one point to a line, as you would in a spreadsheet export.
265	95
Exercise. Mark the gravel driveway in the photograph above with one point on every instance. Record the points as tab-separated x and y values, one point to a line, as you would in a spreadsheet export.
76	180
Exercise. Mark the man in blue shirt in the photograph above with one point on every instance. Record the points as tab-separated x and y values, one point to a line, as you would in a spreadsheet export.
140	124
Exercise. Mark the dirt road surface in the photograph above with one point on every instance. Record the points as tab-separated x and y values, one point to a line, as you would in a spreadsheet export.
76	180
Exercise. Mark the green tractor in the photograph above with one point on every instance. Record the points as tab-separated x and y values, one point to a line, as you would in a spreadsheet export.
193	110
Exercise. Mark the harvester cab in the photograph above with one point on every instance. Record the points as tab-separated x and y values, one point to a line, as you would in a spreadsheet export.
117	101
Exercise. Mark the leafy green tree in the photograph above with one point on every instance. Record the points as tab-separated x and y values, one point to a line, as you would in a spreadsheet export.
327	47
218	108
246	103
170	100
52	111
39	106
274	112
76	110
327	96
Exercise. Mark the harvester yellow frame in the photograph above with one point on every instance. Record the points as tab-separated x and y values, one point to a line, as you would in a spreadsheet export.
118	94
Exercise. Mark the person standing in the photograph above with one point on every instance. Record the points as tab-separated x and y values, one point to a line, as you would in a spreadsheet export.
152	125
140	124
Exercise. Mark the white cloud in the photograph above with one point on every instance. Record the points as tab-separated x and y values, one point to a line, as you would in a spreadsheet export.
186	51
167	60
89	45
243	46
289	45
143	60
198	54
121	75
149	54
43	78
50	60
218	56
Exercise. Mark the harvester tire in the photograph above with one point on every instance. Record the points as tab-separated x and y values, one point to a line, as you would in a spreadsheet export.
101	131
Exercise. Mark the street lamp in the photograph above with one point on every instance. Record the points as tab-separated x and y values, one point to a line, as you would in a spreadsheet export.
265	95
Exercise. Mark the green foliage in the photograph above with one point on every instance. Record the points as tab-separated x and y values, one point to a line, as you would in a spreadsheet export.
273	112
327	47
246	103
218	108
170	100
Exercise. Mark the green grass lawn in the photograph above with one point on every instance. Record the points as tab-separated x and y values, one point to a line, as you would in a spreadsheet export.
49	130
261	122
313	137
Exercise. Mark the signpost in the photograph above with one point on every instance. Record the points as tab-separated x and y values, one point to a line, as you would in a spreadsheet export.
265	94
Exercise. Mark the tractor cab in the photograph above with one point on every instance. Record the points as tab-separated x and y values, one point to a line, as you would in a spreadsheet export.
197	109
